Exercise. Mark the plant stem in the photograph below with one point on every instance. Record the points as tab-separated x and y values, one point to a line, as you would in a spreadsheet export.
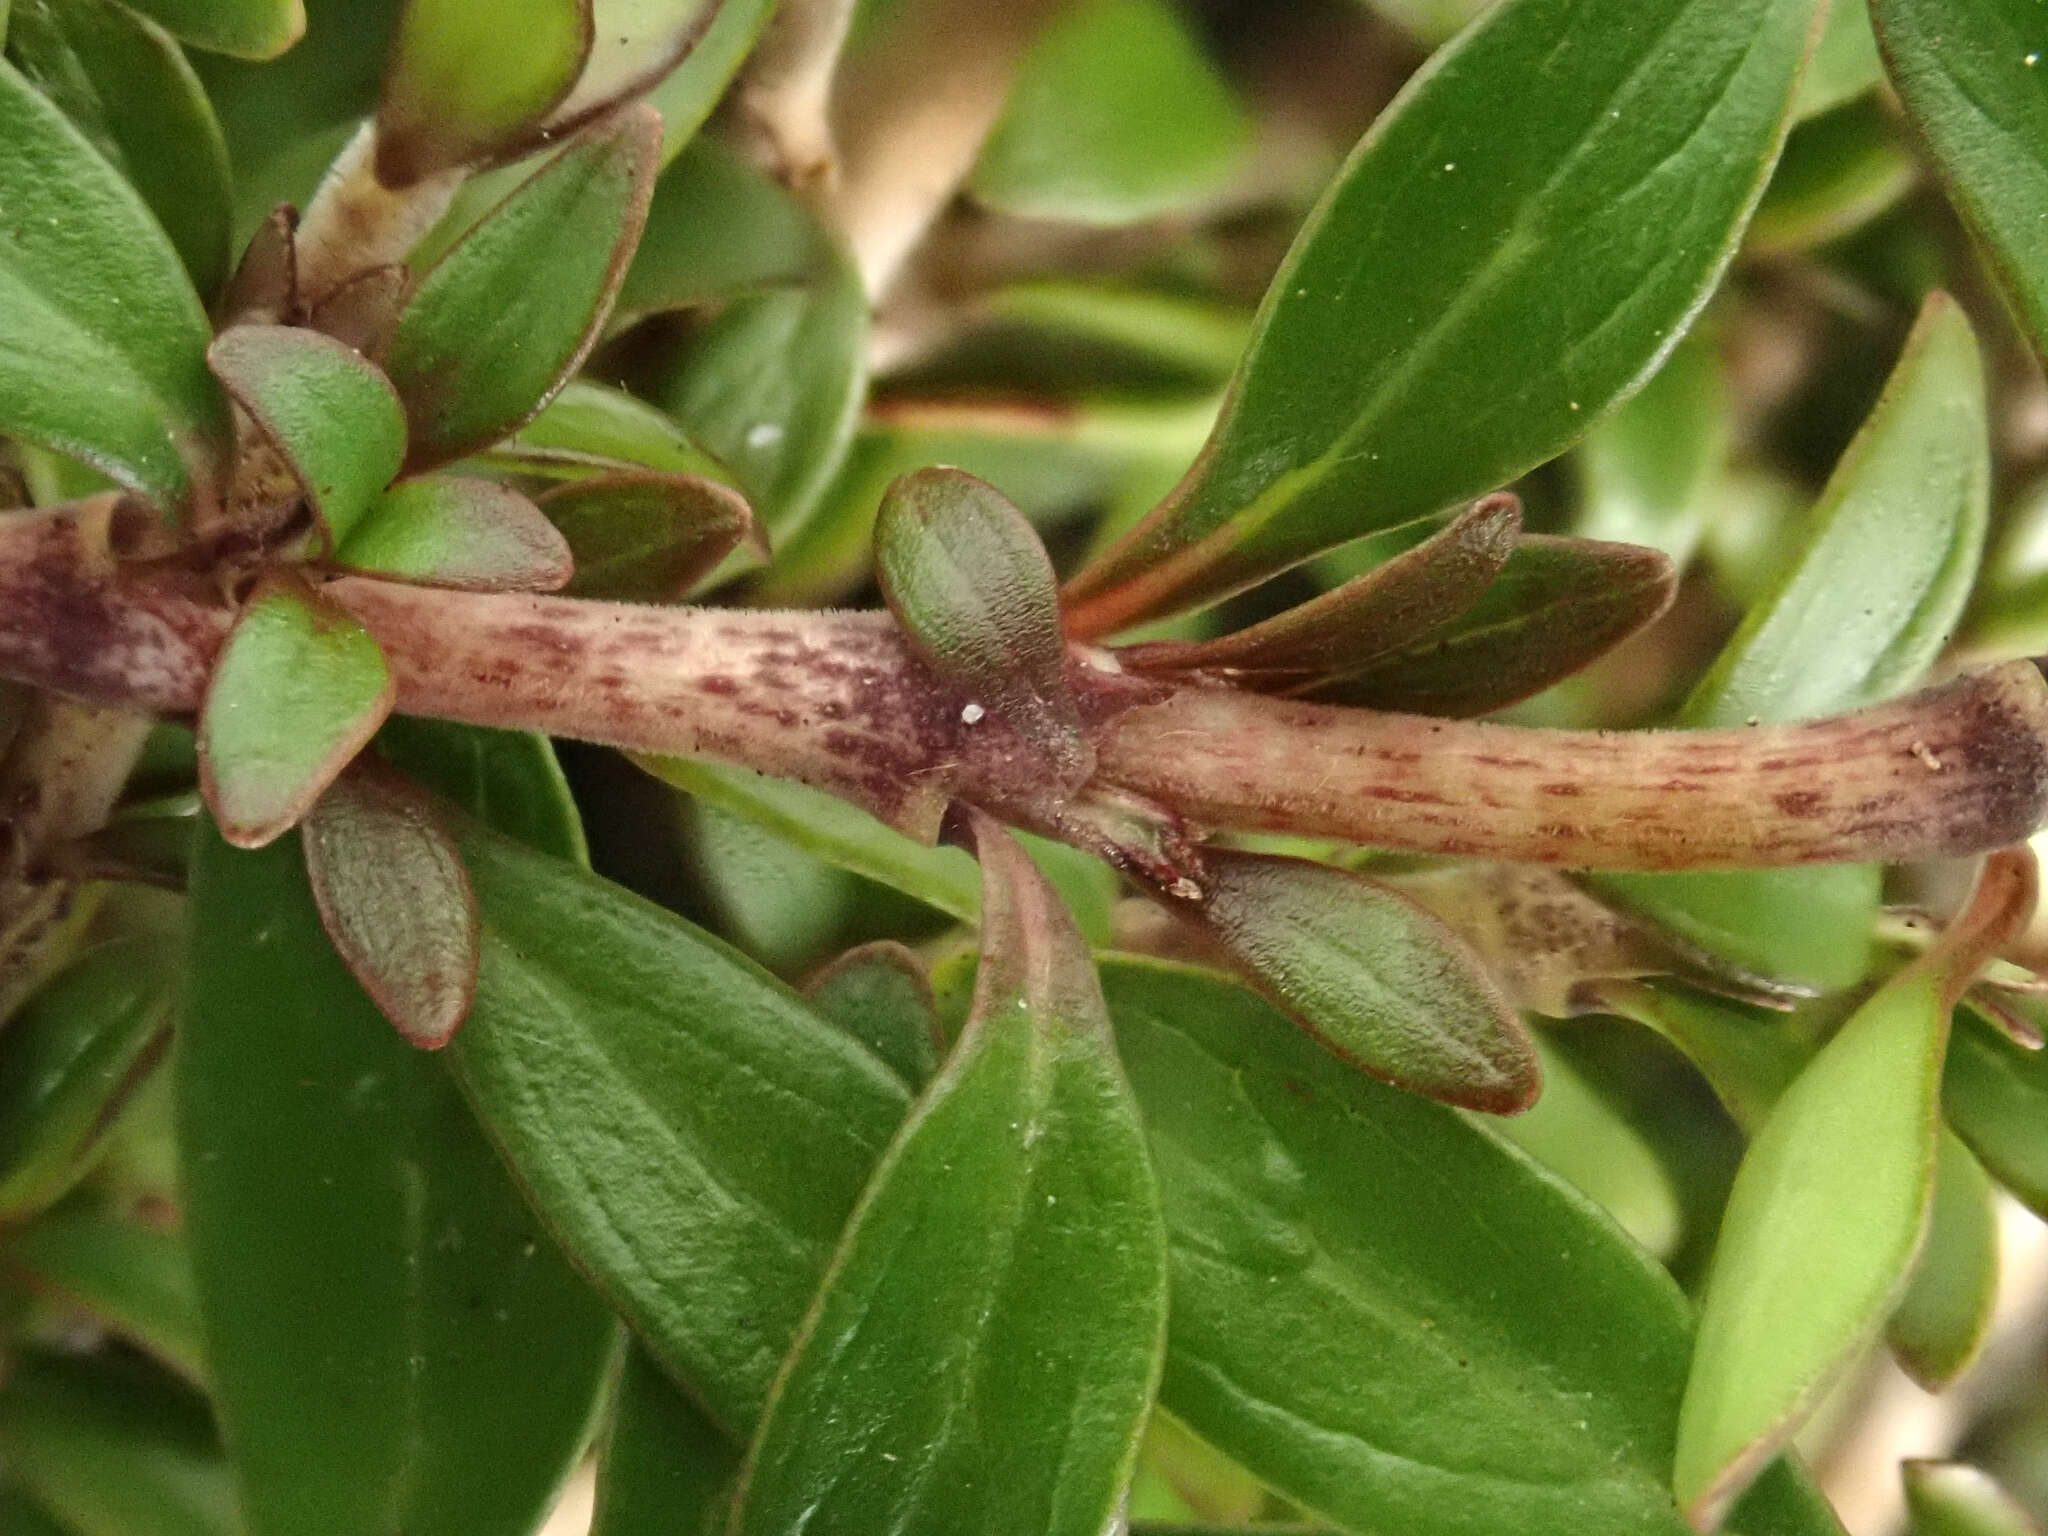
356	222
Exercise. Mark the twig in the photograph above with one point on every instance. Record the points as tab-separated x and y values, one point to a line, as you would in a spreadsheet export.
783	100
356	222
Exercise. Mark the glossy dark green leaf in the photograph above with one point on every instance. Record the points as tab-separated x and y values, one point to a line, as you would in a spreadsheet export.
1478	285
984	1348
326	408
115	1448
590	429
1969	73
509	779
1383	609
1942	1319
395	902
1373	975
1996	1096
1646	471
1839	171
1946	1498
880	995
1829	1209
123	81
452	531
393	1343
1383	1310
631	1067
244	29
467	81
132	1279
103	341
648	537
666	1469
1115	117
971	585
297	690
1557	605
69	1060
481	347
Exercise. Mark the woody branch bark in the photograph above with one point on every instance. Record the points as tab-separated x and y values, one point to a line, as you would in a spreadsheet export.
841	701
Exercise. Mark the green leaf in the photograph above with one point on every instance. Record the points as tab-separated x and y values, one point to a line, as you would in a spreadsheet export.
1646	470
1829	1209
243	29
18	1517
972	587
631	1067
634	43
1844	65
1478	285
102	340
880	995
1996	1096
297	690
124	82
333	416
1557	605
648	537
1942	1319
1116	117
509	779
984	1348
69	1061
132	1279
666	1470
468	82
773	388
1383	1310
1809	929
395	902
1371	974
451	531
393	1344
1839	172
1946	1498
1429	22
588	428
115	1448
1970	77
481	347
686	98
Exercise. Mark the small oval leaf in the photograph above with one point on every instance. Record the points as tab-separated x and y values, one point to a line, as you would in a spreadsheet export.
647	537
589	427
451	531
242	29
881	996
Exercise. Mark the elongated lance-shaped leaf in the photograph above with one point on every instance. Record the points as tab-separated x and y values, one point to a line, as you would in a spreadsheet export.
982	1353
69	1061
1372	974
966	576
395	902
881	996
393	1344
481	347
131	1279
244	29
327	409
1557	605
1829	1209
452	531
1970	76
466	81
1995	1094
665	1468
648	537
1947	1498
298	689
102	339
1945	1313
1364	618
1477	285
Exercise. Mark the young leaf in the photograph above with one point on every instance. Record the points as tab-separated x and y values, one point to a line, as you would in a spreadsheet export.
395	902
244	29
69	1060
1383	1310
333	416
466	82
665	1470
129	1278
1996	1095
966	576
1946	1498
984	1348
1364	618
1941	1320
1829	1209
393	1345
648	537
481	347
1970	77
1372	975
297	690
881	996
102	340
630	1067
1116	117
1557	605
123	81
451	531
1478	285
